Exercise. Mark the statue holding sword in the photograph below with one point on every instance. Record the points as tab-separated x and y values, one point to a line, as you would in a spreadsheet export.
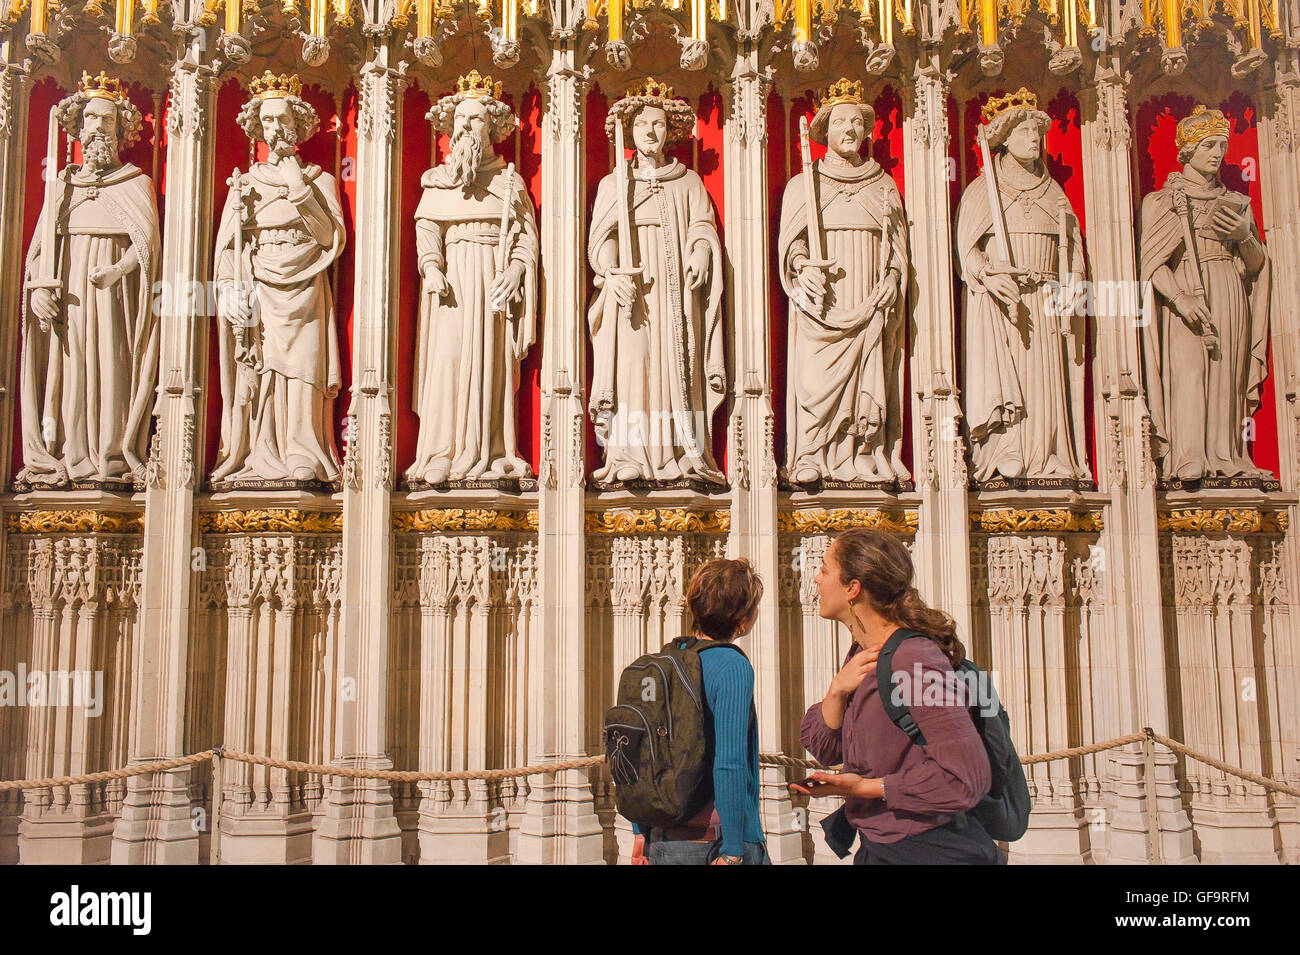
90	328
843	257
476	233
1020	255
658	371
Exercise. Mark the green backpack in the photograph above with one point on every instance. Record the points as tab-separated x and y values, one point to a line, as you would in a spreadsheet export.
659	736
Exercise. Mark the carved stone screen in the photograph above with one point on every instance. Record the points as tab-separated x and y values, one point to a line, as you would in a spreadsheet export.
364	406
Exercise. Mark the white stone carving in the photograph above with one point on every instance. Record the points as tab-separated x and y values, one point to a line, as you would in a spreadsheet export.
280	232
656	319
90	331
1206	316
1025	340
478	248
842	266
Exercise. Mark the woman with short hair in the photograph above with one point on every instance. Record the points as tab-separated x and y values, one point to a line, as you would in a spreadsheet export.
723	598
908	803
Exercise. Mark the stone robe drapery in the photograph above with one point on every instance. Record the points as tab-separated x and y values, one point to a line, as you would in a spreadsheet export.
284	421
88	384
650	393
845	396
1199	402
1024	377
467	355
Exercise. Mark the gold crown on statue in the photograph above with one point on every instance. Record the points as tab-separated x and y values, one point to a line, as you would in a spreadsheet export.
275	86
1201	124
843	91
651	88
475	86
1020	99
102	87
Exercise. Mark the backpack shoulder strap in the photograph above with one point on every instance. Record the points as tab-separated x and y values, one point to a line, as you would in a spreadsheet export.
896	710
711	644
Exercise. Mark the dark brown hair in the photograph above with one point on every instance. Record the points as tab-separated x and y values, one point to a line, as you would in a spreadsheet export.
722	595
882	565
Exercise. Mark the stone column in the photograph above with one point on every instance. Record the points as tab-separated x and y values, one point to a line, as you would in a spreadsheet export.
1129	546
942	547
155	825
560	823
1279	156
14	97
751	455
358	824
13	172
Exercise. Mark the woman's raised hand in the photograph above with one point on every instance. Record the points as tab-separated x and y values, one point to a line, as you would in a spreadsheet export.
855	670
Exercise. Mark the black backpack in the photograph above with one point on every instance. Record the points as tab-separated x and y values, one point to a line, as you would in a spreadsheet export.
659	736
1004	812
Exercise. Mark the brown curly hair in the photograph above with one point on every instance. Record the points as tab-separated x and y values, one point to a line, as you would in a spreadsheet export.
882	566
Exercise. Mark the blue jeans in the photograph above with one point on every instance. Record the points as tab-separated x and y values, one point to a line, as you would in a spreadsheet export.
685	852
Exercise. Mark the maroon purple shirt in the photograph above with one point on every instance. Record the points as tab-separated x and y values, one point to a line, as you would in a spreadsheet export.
925	786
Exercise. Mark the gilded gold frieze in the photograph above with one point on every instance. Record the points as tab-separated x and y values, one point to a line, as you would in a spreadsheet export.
277	520
461	519
1243	520
75	522
654	520
841	519
1017	520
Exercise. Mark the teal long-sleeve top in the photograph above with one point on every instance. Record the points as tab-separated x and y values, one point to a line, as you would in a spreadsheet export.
729	691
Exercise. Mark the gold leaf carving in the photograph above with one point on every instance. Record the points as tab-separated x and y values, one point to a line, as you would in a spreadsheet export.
75	522
841	519
677	520
1013	520
1243	520
276	520
460	519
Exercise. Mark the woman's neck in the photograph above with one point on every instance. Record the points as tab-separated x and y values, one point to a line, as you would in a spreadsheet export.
870	630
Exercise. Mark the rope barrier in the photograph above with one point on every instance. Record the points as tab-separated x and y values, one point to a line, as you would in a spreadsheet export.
583	762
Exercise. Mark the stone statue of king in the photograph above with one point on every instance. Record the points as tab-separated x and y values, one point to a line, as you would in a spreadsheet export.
90	331
477	239
658	371
281	230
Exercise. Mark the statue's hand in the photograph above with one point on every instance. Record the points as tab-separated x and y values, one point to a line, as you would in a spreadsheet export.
697	268
508	287
1002	286
885	293
1193	310
623	288
291	168
236	305
45	306
106	275
435	283
812	279
1232	227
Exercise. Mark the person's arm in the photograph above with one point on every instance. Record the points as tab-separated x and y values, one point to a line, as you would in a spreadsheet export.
954	773
821	740
729	689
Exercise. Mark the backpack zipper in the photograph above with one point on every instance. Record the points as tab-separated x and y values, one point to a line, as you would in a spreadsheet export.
649	735
686	684
668	709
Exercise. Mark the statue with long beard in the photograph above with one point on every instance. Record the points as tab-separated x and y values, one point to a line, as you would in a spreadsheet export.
90	332
477	240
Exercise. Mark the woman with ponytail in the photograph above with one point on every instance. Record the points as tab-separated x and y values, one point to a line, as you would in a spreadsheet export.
907	802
